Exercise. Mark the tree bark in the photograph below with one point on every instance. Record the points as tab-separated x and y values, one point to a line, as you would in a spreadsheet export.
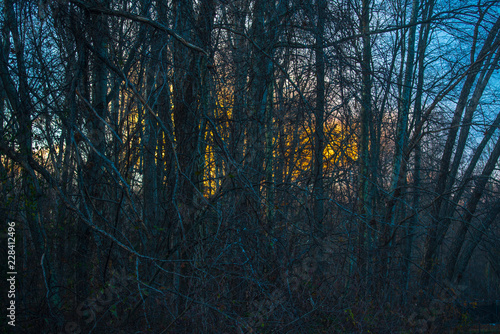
319	113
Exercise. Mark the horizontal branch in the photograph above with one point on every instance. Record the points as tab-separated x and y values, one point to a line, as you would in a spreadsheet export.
137	18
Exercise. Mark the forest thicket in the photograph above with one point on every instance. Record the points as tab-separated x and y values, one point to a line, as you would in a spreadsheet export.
250	166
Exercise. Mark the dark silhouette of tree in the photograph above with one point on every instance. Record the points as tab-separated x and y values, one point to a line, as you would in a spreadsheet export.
250	166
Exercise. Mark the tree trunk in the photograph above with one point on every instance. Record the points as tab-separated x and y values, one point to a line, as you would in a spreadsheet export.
365	200
319	113
438	230
22	105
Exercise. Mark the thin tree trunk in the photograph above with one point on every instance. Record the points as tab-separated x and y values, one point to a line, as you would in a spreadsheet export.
421	53
466	221
365	201
438	230
476	235
319	113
